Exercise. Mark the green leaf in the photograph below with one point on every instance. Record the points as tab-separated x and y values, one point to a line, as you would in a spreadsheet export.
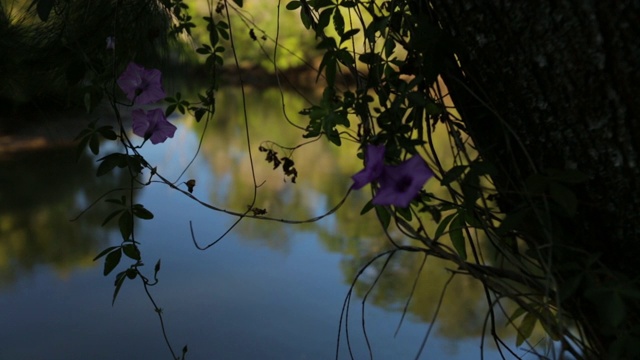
111	216
517	313
156	268
111	261
108	163
348	35
370	58
453	174
107	132
293	5
550	325
384	216
121	201
131	251
367	207
457	238
131	273
348	3
405	213
199	113
118	284
324	19
214	38
126	225
105	252
134	162
472	220
141	212
170	109
526	328
338	22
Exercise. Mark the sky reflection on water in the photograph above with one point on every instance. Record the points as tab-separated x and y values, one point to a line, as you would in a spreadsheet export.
266	291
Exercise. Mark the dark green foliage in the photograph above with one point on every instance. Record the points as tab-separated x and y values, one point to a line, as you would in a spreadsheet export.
58	48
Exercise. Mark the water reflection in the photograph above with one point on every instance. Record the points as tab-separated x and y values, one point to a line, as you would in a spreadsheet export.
40	192
269	290
324	178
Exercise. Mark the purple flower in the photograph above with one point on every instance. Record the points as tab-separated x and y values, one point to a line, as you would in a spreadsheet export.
152	125
141	85
373	164
400	184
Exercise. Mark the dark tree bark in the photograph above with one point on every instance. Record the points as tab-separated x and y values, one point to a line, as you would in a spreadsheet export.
553	85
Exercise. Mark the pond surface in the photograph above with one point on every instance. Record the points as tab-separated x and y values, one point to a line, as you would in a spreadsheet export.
267	290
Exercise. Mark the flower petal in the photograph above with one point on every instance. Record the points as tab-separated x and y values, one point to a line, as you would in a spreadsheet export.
162	128
140	122
373	164
141	85
400	184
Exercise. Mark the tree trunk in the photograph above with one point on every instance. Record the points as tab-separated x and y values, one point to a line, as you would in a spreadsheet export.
552	85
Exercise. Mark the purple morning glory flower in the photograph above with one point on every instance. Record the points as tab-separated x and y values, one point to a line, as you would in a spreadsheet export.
152	125
373	164
141	85
400	184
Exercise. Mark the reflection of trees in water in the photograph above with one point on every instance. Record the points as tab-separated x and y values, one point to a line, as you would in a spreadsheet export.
324	178
41	191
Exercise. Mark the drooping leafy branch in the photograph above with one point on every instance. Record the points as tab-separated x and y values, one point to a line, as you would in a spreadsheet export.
381	68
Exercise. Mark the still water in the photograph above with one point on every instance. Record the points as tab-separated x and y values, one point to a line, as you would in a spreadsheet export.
268	290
